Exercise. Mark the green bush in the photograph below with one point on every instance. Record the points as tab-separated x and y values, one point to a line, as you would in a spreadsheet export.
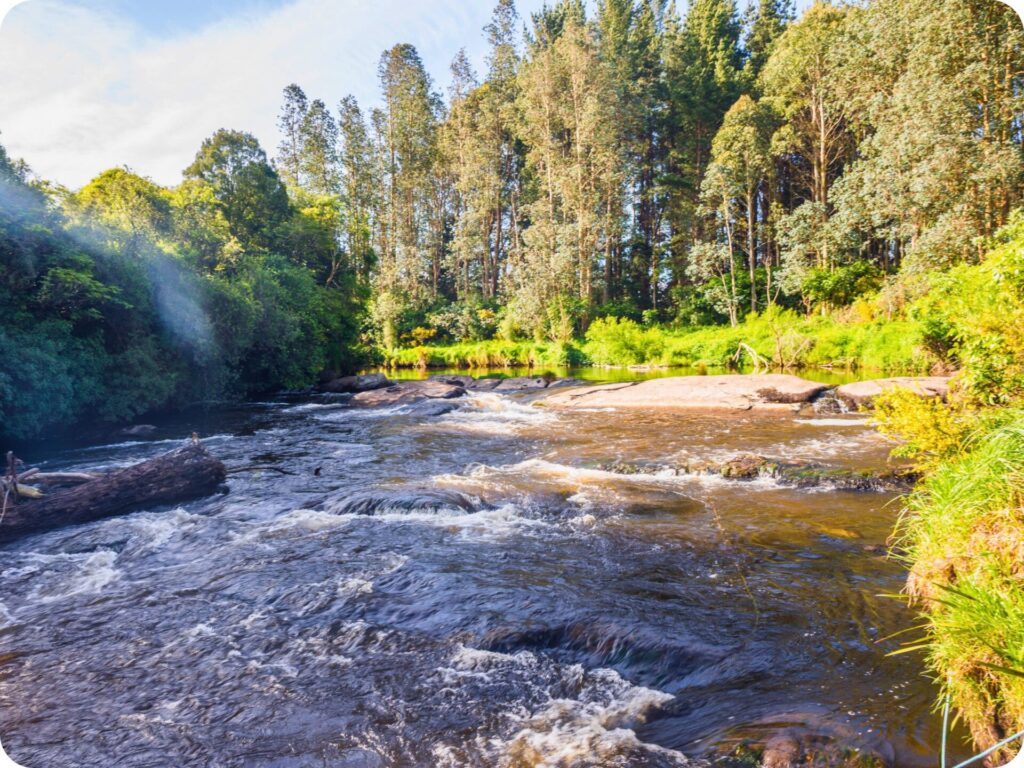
620	341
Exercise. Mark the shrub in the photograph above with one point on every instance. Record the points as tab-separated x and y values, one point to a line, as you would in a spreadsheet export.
620	341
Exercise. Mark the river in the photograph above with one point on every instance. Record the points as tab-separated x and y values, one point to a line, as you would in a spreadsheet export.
463	590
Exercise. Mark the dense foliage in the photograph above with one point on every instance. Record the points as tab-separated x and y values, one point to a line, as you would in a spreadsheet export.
683	170
125	298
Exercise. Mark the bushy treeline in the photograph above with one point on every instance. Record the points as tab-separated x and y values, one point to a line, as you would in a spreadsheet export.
683	168
125	298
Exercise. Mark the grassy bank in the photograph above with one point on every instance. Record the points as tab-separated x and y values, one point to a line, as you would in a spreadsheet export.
780	340
962	530
963	538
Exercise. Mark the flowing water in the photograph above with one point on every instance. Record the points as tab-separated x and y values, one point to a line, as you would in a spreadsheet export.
462	590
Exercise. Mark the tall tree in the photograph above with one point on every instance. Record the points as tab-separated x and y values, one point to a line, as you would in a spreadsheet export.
359	187
289	123
764	23
407	136
801	81
703	65
318	152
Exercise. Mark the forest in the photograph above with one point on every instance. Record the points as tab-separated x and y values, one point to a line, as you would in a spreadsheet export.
636	184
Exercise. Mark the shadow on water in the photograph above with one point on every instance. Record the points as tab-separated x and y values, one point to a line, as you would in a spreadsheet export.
462	590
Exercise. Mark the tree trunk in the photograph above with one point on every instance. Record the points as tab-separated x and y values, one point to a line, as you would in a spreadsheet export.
180	475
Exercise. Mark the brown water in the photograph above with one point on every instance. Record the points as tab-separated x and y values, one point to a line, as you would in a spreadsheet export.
463	590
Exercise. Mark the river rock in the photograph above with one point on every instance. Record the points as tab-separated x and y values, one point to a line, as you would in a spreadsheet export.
366	382
861	394
762	392
484	385
407	393
454	379
518	383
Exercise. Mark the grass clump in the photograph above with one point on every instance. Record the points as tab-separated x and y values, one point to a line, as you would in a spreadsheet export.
962	533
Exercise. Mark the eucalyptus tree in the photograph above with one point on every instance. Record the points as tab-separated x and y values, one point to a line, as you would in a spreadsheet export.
703	69
359	187
801	82
568	118
289	123
318	151
741	163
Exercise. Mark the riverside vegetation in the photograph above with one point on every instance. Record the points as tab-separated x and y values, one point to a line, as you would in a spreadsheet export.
634	187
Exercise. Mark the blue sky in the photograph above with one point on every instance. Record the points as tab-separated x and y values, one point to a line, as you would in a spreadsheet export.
91	84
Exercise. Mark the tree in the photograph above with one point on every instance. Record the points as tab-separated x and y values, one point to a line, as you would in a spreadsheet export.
407	139
741	163
253	198
935	94
703	68
359	187
318	156
568	111
289	123
800	81
764	24
133	208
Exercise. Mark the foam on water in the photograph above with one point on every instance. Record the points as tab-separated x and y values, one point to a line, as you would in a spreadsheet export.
57	577
850	422
488	524
593	729
168	441
570	717
493	414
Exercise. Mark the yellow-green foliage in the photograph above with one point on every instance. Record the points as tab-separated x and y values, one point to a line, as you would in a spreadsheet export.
977	312
781	338
963	529
495	353
929	430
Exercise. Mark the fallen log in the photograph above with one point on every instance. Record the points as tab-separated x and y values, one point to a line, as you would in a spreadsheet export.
180	475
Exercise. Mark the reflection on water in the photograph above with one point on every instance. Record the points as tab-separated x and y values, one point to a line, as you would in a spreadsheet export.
466	590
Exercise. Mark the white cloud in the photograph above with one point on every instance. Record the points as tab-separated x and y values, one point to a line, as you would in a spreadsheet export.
82	92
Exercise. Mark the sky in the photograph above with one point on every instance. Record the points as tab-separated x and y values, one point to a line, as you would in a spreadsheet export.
88	85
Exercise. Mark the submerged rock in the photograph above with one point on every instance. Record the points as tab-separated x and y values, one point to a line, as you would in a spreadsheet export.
406	393
363	383
374	502
522	382
454	379
728	392
752	467
861	394
483	385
